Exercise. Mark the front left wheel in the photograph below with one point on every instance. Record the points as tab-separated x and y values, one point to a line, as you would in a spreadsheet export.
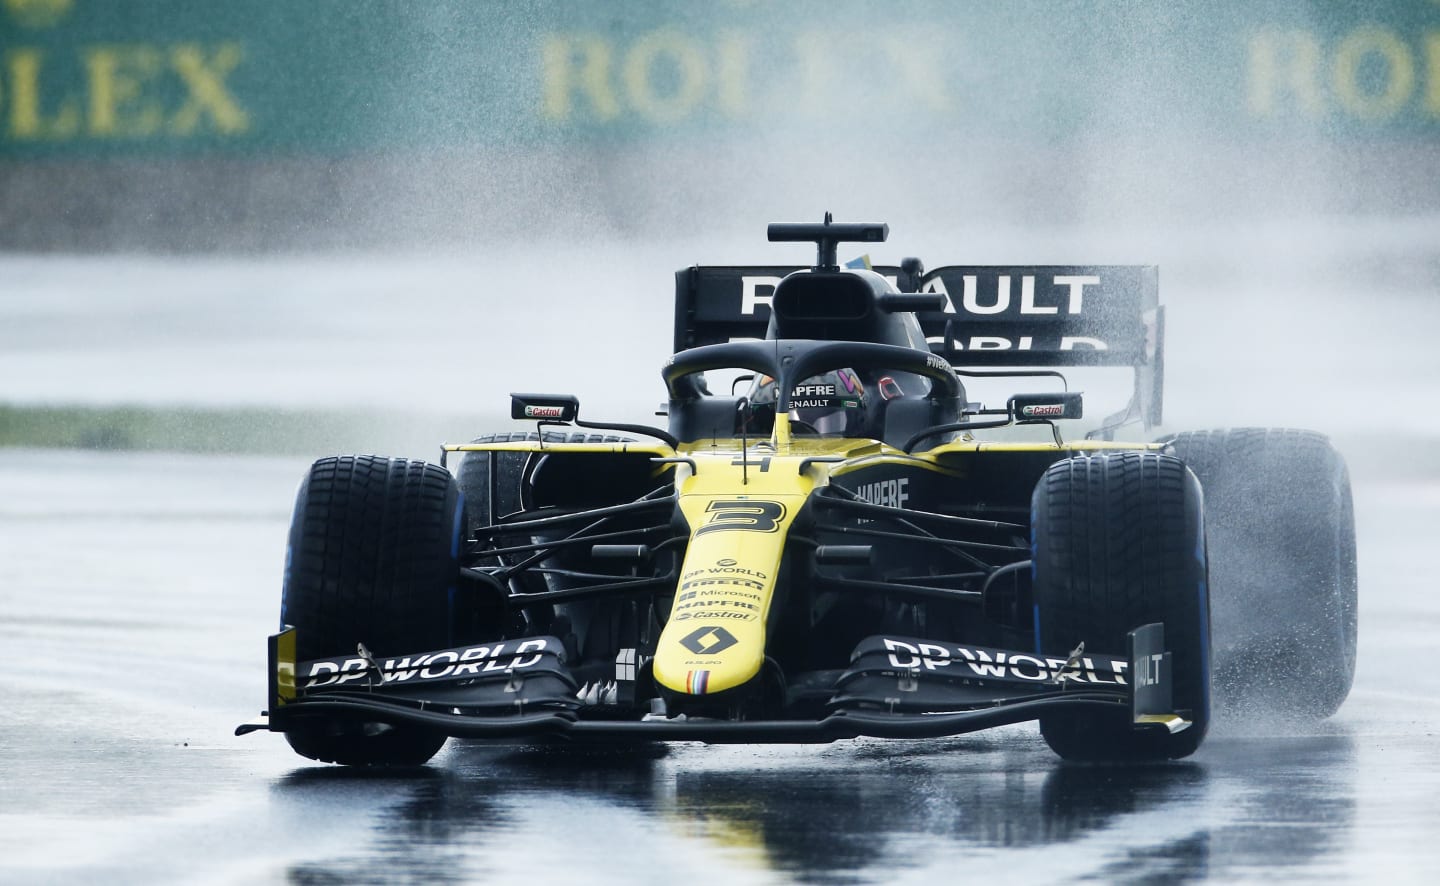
1119	542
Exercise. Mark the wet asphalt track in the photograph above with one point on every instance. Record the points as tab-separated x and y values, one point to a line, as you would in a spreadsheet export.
137	590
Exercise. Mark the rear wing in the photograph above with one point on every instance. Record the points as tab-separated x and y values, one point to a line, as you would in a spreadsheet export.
995	316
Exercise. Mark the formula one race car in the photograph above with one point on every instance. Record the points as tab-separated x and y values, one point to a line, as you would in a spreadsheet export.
833	548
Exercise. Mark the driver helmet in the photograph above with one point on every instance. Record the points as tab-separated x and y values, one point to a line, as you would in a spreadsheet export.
831	405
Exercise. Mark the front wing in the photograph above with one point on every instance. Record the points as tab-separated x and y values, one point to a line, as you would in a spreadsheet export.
894	688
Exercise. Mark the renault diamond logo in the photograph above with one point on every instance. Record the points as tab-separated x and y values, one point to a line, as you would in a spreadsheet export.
709	641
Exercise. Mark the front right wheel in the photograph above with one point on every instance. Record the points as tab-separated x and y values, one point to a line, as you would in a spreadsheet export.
1119	542
373	559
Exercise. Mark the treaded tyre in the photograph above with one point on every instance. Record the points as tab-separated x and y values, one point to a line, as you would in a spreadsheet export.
374	559
1281	527
509	483
1118	543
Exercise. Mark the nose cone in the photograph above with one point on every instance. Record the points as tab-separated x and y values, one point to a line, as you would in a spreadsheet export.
740	517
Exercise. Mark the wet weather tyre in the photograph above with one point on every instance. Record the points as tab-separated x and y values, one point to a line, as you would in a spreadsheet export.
373	558
1119	543
1281	528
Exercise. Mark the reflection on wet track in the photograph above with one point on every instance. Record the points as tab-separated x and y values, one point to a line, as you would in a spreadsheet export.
873	814
137	590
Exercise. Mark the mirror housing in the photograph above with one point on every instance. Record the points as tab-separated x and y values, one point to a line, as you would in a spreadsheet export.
1047	407
544	407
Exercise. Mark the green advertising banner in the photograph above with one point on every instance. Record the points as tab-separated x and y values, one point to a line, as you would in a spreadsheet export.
331	77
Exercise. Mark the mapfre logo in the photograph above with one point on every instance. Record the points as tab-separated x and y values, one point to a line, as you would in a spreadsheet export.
813	391
38	13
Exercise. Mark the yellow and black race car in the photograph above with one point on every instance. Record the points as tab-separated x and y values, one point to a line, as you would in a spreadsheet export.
832	549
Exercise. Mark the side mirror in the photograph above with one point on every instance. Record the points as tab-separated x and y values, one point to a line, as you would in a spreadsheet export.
545	407
1047	407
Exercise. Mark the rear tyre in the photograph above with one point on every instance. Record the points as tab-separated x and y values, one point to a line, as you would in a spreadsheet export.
507	490
1118	543
374	559
1281	528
